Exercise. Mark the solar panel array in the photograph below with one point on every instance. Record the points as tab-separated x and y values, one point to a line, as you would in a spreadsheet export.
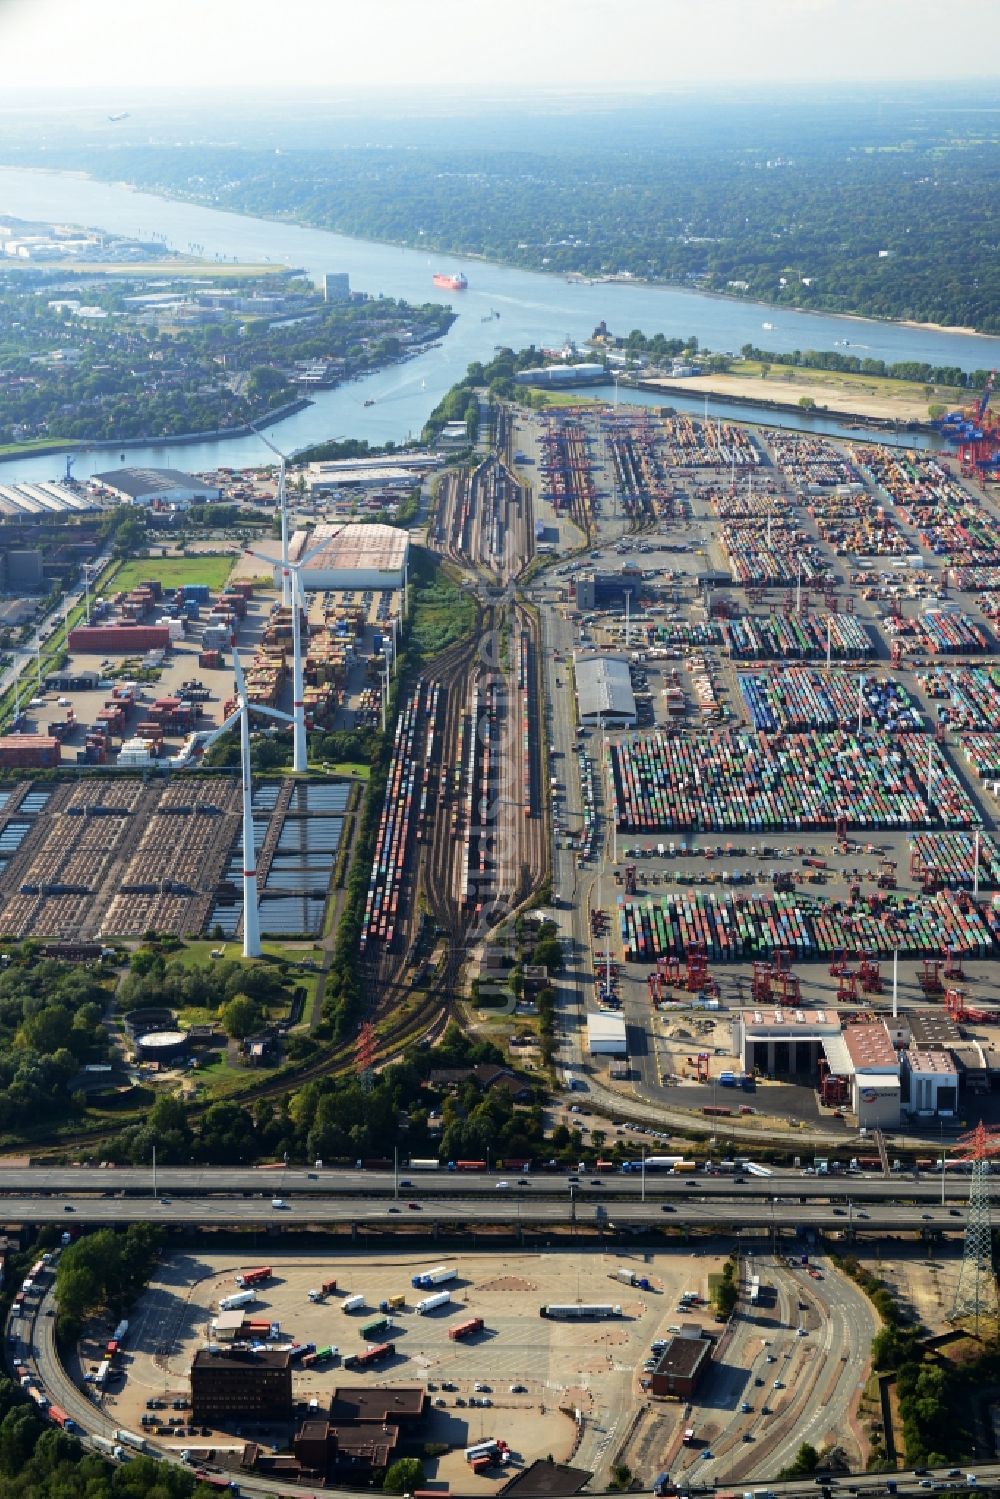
297	830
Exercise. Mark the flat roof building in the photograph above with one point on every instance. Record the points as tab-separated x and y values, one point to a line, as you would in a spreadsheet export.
606	1036
931	1082
604	691
785	1042
681	1366
233	1384
361	556
162	488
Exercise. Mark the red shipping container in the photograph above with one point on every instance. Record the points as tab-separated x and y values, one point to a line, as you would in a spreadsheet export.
121	638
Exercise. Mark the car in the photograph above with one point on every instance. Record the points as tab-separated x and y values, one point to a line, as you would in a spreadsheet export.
765	1410
406	1183
439	1401
480	1388
446	1384
523	1181
922	1472
414	1207
758	1381
459	1400
503	1186
392	1210
954	1213
518	1389
779	1384
278	1202
68	1207
926	1216
708	1455
666	1207
748	1436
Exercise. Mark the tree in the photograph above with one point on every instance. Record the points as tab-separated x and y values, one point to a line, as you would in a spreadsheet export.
807	403
404	1476
241	1016
806	1460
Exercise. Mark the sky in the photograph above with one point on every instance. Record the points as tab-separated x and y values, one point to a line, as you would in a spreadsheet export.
124	46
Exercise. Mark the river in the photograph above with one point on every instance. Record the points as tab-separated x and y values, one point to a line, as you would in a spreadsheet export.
533	308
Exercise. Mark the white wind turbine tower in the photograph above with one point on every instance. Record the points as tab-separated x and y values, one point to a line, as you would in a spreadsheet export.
292	572
286	581
251	912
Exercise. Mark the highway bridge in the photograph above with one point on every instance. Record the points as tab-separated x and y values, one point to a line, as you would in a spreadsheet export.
439	1186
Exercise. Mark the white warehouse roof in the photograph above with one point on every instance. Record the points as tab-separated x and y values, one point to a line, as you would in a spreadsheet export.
604	689
375	552
606	1035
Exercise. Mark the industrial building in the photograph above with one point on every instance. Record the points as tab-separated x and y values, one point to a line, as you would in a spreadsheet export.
361	1432
875	1085
336	286
604	693
358	556
19	500
161	488
785	1042
607	590
606	1035
682	1365
930	1083
232	1384
564	375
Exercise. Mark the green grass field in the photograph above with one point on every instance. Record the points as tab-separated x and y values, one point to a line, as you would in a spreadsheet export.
172	572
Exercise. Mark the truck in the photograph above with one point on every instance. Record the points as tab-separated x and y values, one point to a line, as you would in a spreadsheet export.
465	1329
371	1356
425	1165
60	1417
575	1310
254	1277
485	1448
439	1276
120	1332
238	1299
352	1304
129	1439
113	1449
626	1276
431	1303
375	1328
395	1302
481	1463
329	1287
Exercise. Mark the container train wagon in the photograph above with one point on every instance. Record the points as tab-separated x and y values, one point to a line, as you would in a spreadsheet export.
397	821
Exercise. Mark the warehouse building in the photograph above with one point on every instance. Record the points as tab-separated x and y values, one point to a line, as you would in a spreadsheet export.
161	488
607	590
604	693
682	1365
564	376
929	1083
606	1035
358	556
233	1384
786	1042
875	1085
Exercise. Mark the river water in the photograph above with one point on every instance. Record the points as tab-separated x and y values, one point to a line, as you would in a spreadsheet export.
533	308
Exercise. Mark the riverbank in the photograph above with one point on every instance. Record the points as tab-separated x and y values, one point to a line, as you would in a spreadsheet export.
867	408
73	444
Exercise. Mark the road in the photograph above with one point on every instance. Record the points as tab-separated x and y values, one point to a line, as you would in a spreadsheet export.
426	1186
510	1209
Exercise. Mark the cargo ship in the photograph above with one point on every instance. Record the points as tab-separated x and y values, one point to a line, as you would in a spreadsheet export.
450	283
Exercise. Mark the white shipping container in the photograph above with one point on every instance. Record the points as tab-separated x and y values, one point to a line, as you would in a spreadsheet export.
431	1303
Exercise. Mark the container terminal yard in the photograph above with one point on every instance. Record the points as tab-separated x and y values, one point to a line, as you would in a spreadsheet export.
731	693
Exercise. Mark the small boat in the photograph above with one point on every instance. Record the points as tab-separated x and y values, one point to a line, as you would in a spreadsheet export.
370	401
767	327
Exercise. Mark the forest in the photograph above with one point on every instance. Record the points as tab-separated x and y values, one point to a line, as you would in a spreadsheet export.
882	207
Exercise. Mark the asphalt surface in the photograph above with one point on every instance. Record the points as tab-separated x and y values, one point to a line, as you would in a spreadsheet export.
424	1186
506	1209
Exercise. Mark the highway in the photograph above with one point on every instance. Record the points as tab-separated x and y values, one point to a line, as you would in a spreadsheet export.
426	1186
503	1209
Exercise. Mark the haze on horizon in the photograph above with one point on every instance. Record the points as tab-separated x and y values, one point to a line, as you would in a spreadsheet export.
381	46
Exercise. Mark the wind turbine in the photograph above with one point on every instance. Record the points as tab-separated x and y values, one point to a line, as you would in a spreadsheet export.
241	715
286	581
292	572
